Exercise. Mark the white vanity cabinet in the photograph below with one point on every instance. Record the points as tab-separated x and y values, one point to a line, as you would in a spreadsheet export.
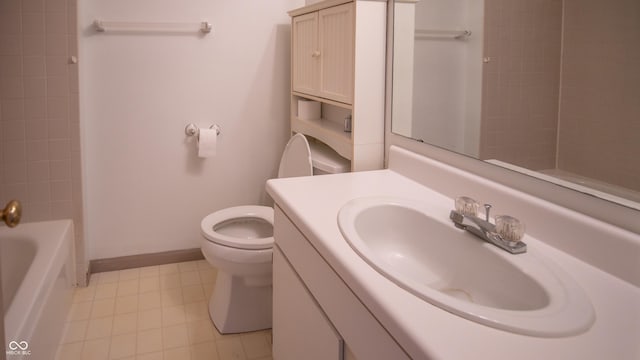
304	332
338	51
315	315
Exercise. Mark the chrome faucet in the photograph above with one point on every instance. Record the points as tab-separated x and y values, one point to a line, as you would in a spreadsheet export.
487	231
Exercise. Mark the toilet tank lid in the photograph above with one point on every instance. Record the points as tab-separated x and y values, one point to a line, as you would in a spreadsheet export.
326	159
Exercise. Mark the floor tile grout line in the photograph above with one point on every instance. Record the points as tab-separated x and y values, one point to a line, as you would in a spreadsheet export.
204	285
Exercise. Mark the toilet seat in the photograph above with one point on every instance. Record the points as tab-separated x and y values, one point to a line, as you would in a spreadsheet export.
238	241
295	161
238	213
296	158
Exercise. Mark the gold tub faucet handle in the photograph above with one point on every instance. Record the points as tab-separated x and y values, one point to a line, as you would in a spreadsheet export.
12	213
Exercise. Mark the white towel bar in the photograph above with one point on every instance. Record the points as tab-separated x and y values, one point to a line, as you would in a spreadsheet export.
433	33
204	27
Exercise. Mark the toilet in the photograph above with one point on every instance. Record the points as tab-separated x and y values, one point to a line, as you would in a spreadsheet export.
238	242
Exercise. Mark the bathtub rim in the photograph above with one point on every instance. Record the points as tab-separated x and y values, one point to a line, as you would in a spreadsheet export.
54	241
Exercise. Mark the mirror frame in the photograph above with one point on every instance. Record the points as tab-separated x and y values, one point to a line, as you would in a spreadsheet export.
588	204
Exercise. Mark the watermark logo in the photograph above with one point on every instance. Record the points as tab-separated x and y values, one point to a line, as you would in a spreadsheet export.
18	348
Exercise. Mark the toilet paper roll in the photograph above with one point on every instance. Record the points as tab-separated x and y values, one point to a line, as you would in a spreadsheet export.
309	109
207	142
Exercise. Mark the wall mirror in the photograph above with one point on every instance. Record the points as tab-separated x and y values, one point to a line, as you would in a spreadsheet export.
550	88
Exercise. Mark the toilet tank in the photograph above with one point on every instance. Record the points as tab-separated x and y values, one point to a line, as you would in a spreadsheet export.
325	160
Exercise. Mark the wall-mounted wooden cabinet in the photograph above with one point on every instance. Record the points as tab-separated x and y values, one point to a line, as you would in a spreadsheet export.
338	50
323	46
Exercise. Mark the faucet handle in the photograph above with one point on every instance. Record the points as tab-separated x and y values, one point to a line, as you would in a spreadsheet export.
12	213
487	210
510	228
466	205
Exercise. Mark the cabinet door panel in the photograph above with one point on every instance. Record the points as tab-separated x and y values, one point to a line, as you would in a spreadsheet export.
336	37
361	331
300	328
305	53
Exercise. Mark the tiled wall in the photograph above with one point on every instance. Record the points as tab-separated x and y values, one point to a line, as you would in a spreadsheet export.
521	82
600	109
39	123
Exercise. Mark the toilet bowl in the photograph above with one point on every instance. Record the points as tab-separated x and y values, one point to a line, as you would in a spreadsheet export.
238	241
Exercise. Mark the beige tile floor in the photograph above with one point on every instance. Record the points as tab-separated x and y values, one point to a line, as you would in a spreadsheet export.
153	313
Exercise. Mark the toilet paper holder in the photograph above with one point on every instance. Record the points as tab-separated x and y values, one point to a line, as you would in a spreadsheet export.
194	130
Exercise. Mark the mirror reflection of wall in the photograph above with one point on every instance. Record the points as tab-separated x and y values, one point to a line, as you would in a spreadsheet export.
599	133
433	53
521	82
546	85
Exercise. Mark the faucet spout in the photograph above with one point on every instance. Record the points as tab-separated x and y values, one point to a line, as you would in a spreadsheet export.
486	231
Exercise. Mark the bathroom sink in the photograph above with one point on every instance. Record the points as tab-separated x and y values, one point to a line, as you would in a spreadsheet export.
416	246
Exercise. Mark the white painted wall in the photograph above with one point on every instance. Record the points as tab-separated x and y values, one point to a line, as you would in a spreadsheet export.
473	87
404	27
146	191
447	85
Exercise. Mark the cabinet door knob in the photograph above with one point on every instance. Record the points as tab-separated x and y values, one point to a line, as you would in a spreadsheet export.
315	53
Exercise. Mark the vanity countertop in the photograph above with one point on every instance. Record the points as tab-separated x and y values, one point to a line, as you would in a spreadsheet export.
425	331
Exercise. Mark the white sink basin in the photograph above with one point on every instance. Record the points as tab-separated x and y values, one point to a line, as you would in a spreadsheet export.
416	246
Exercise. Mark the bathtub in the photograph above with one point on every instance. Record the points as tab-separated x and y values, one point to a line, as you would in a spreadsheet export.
36	264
